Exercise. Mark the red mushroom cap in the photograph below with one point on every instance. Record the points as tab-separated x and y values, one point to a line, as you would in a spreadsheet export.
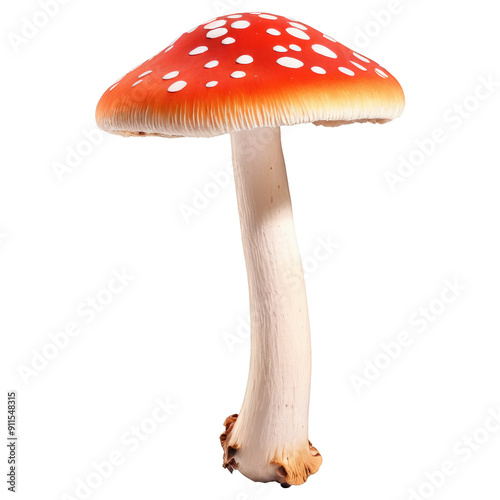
243	71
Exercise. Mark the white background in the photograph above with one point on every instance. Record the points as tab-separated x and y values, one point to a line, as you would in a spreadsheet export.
177	330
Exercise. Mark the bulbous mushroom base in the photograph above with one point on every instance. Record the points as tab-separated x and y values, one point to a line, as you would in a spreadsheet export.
288	466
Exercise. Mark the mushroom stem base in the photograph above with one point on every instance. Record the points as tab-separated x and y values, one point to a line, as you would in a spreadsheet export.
289	468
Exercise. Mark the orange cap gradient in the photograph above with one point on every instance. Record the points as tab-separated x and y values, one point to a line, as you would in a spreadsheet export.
243	71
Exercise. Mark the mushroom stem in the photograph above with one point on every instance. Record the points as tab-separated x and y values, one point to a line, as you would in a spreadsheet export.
268	440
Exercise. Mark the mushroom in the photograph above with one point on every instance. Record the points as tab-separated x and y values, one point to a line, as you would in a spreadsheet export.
248	75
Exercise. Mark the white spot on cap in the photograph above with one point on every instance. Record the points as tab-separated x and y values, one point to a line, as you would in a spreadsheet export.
175	87
169	48
330	38
171	75
318	70
346	71
238	74
211	64
145	73
191	30
136	83
212	84
381	73
279	48
324	51
274	32
298	25
198	50
295	47
134	69
361	57
235	16
290	62
216	33
298	33
268	16
240	25
114	86
228	41
358	65
244	59
215	24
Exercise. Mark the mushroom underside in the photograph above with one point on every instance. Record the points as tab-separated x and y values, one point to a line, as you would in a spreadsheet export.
321	123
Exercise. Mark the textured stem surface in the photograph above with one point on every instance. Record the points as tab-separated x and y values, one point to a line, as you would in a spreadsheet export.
268	440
